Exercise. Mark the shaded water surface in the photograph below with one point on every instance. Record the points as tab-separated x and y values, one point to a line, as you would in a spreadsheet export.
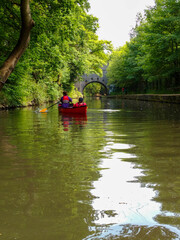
113	174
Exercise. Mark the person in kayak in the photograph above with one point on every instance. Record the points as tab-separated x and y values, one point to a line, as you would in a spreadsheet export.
80	103
66	100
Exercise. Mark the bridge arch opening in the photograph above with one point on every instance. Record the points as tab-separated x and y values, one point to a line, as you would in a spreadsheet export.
94	88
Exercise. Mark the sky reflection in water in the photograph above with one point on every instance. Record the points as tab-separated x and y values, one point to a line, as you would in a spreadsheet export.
121	201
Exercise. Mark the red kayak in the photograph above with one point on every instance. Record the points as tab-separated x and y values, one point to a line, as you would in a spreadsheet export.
78	110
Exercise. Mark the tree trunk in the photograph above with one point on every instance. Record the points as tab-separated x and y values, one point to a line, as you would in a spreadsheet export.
27	24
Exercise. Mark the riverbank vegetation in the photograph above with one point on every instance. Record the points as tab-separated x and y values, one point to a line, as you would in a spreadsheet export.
150	62
63	46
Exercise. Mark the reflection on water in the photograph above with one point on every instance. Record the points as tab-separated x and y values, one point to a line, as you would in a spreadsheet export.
134	232
77	119
113	174
123	206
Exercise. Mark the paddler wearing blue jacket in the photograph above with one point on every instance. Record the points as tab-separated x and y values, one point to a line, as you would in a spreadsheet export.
66	100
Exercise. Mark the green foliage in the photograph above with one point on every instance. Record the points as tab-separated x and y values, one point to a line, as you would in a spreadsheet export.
21	89
63	47
151	59
93	89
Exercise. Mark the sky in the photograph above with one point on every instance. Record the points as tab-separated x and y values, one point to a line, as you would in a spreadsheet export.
117	18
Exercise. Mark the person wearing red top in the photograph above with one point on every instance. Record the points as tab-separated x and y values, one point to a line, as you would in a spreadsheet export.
80	103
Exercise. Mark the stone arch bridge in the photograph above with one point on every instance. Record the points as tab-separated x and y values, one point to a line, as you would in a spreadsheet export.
93	78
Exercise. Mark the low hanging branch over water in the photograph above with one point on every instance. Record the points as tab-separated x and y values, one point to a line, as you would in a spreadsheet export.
23	42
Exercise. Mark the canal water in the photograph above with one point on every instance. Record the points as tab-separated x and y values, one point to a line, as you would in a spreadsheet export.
113	174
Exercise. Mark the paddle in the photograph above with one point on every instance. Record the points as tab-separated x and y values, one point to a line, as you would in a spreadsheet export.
45	109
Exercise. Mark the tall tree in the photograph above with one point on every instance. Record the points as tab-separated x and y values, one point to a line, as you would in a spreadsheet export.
151	59
26	25
159	36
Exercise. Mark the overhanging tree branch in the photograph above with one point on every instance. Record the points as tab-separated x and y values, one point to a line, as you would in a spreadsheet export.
22	44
